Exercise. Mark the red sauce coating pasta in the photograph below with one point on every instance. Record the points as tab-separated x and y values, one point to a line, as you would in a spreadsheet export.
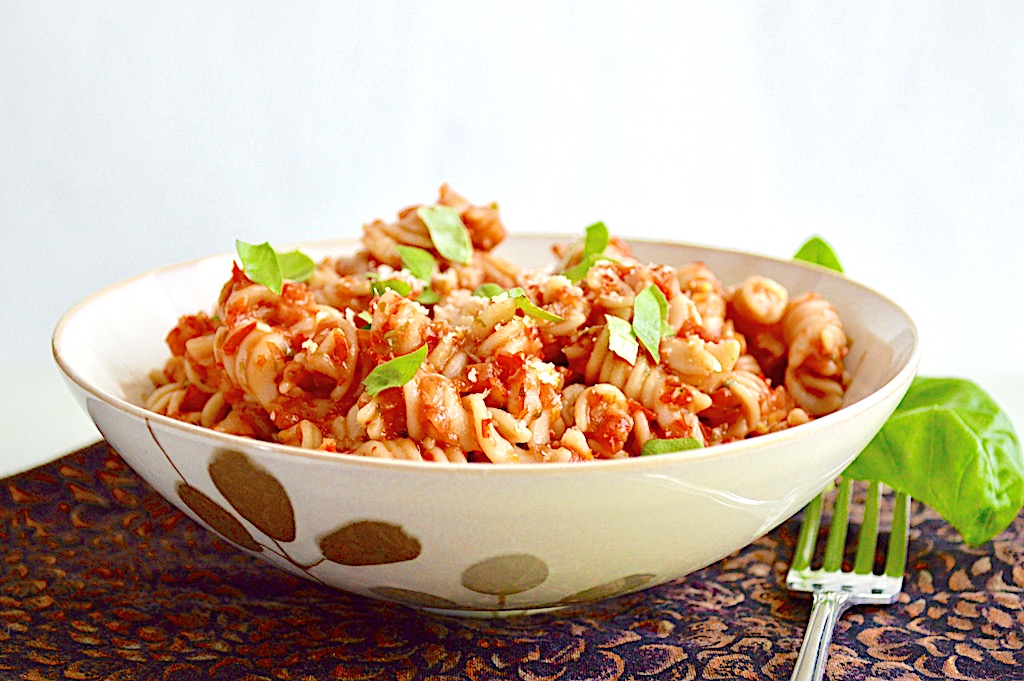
538	373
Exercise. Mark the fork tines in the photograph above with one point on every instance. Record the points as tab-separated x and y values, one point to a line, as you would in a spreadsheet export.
861	579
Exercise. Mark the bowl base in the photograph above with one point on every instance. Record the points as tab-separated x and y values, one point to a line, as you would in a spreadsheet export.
491	614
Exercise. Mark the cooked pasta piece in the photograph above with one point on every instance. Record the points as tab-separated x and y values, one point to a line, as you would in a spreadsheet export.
601	412
740	406
706	291
406	449
817	344
698	362
674	402
755	309
760	300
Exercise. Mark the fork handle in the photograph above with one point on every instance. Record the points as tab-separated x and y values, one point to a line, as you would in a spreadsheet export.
825	611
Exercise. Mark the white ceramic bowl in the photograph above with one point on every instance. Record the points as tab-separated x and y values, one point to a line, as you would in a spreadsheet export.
477	538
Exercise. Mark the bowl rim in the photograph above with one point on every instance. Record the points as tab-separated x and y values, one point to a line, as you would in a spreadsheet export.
899	382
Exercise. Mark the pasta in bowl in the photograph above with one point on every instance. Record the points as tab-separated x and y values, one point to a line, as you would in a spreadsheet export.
596	356
421	417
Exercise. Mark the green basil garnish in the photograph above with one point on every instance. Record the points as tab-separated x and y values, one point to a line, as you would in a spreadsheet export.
595	240
522	301
295	265
418	262
679	444
428	296
448	233
649	326
263	265
650	319
396	372
621	339
397	285
488	290
950	445
530	308
594	244
817	251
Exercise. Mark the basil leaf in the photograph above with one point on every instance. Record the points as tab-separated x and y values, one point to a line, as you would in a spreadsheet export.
397	285
650	314
447	232
817	251
530	308
428	296
295	265
594	244
621	340
396	372
418	262
263	265
488	290
260	264
679	444
950	445
596	240
580	269
523	302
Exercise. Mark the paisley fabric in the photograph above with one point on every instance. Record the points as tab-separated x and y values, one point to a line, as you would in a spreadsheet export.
101	578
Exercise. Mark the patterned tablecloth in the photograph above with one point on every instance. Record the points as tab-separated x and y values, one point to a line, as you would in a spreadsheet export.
103	579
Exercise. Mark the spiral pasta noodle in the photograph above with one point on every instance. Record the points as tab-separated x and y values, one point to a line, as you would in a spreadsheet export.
817	344
409	350
707	293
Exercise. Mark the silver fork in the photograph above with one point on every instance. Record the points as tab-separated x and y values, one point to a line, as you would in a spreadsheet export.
836	589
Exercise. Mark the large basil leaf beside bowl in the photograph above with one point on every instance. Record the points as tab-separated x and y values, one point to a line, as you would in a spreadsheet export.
950	445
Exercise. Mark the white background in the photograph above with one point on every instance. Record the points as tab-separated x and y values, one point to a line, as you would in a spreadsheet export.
138	134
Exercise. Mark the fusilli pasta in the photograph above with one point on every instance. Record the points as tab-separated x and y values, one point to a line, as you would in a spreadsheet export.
518	365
